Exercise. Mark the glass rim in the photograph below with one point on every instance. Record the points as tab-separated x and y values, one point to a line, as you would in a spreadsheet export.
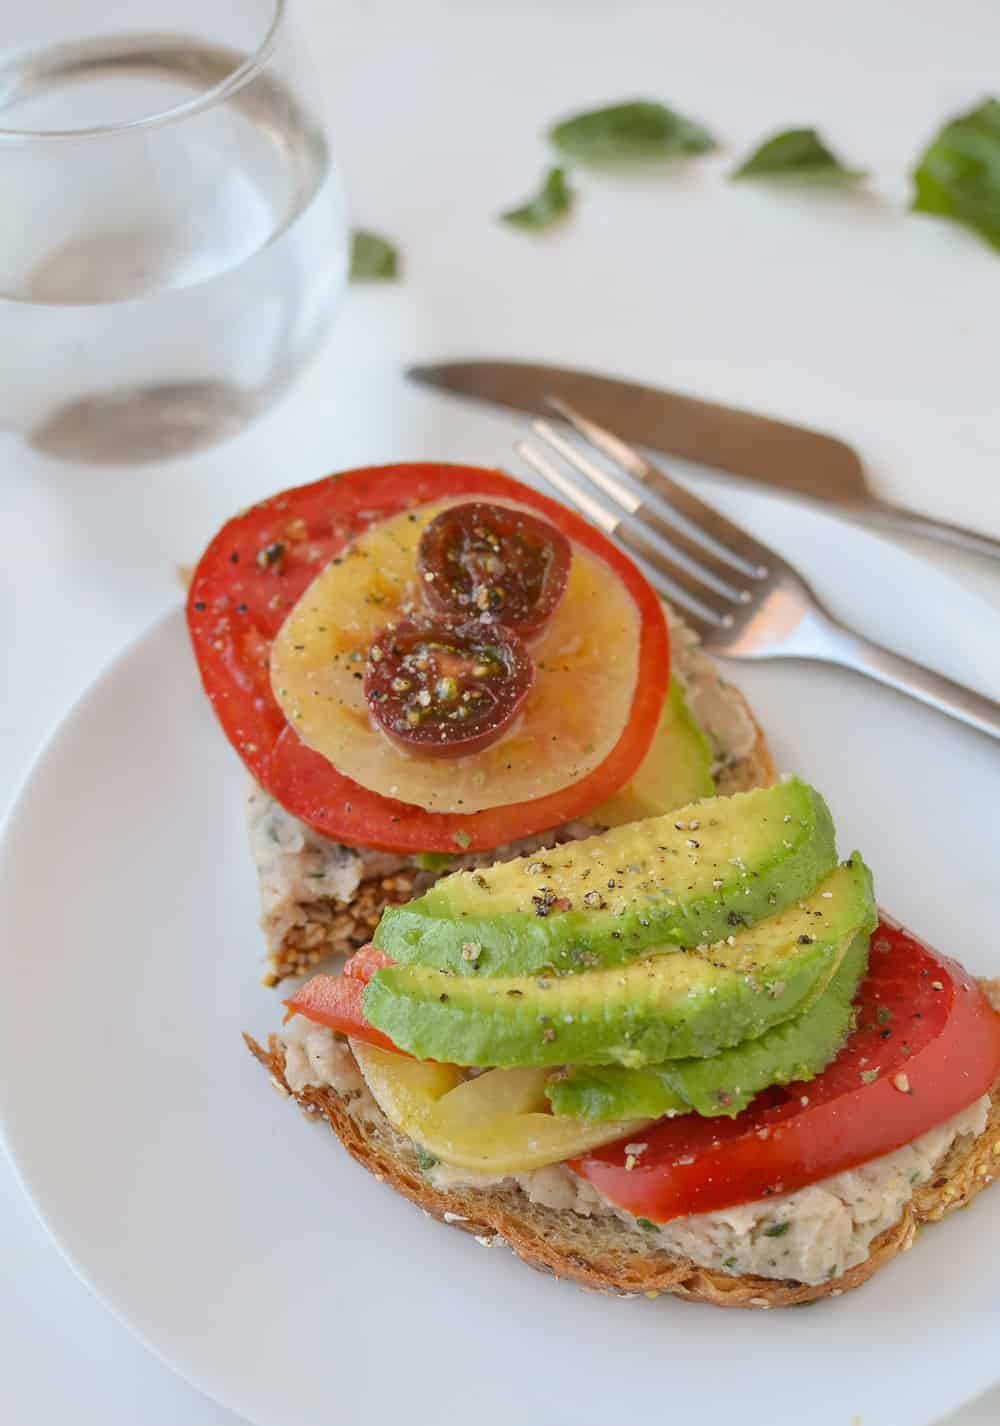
242	75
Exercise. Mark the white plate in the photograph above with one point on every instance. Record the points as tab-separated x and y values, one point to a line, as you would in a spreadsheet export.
244	1246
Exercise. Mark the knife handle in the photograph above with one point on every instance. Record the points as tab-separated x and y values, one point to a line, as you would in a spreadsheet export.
898	517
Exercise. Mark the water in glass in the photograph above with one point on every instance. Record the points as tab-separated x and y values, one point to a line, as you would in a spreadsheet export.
161	282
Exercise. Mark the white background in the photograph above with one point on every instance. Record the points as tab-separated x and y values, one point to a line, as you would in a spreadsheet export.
838	311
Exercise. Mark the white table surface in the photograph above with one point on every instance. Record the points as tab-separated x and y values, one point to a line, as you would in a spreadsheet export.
838	311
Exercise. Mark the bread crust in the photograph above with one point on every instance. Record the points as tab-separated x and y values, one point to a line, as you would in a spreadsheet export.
336	928
603	1254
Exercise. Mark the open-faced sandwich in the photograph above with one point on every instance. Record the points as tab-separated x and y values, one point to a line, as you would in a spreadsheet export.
655	1038
558	704
681	1056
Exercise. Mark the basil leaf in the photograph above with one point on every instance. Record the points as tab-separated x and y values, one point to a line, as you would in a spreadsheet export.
958	174
794	153
434	861
425	1160
373	259
634	130
552	201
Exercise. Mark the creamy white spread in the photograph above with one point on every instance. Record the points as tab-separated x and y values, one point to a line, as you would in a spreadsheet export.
722	715
316	1057
810	1236
297	866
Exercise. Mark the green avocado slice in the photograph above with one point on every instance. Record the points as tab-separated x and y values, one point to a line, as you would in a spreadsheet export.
676	770
682	879
669	1005
797	1049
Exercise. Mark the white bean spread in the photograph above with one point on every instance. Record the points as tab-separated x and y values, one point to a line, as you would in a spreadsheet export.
810	1236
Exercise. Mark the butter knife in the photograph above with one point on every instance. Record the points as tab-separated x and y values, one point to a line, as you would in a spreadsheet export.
782	457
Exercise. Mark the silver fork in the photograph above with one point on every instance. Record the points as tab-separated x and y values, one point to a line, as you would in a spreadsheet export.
743	600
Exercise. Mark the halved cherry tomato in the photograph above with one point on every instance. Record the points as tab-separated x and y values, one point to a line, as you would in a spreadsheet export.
445	689
481	559
927	1046
335	1000
254	571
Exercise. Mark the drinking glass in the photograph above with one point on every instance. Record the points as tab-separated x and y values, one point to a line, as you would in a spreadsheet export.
174	237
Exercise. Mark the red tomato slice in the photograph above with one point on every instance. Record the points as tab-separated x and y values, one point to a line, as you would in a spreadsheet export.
254	571
335	1000
927	1046
365	962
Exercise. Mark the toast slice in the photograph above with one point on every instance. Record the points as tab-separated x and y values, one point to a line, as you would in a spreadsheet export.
302	928
602	1253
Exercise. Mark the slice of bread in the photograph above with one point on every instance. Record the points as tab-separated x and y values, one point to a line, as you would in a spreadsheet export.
602	1253
307	931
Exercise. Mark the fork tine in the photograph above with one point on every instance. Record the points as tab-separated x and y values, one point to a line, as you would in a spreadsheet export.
706	629
634	535
733	541
672	581
701	557
594	511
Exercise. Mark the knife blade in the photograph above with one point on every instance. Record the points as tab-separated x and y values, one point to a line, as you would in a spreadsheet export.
775	454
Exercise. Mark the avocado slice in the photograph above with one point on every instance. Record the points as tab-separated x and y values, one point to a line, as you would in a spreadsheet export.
797	1049
676	770
670	1005
682	879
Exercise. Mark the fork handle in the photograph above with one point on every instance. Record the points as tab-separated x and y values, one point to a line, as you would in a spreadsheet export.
833	642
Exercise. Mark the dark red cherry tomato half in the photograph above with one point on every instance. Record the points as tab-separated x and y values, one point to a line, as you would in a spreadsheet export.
489	560
444	689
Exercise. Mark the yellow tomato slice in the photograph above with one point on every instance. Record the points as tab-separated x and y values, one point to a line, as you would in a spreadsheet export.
587	662
495	1123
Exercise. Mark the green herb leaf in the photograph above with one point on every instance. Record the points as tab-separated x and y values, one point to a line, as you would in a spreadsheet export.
425	1161
634	130
777	1230
373	259
646	1223
869	1076
434	861
461	839
958	174
728	1262
552	201
795	153
884	1015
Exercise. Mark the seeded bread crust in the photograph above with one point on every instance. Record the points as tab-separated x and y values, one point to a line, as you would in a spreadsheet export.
601	1253
335	927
